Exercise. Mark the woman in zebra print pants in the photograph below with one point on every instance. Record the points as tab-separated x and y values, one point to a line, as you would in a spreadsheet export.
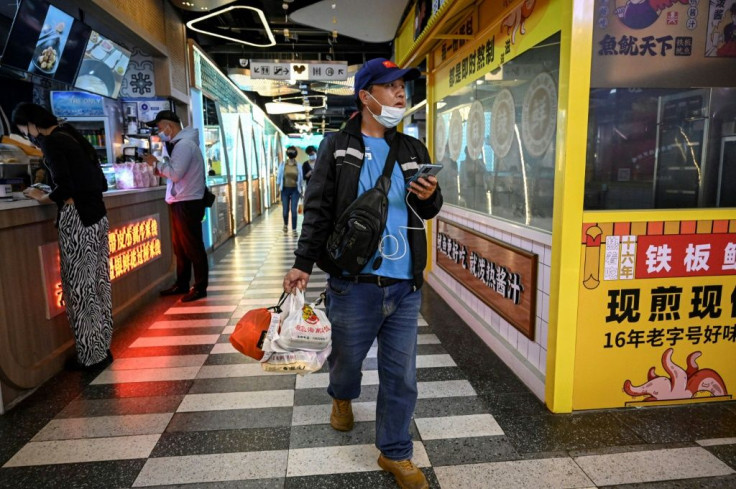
78	184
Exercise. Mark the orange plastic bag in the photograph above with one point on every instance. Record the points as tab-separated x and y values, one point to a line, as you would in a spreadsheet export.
250	332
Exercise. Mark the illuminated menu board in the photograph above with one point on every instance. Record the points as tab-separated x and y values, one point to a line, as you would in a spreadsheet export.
132	245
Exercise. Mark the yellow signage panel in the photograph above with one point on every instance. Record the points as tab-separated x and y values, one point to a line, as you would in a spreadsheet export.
529	23
656	314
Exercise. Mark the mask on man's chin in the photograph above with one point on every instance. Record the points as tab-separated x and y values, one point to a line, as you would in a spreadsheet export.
389	116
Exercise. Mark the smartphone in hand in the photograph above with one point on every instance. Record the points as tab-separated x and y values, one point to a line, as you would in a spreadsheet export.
424	170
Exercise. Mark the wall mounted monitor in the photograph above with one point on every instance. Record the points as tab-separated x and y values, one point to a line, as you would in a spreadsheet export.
103	66
45	41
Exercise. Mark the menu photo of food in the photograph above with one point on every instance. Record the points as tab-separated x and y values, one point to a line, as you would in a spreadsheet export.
103	66
51	42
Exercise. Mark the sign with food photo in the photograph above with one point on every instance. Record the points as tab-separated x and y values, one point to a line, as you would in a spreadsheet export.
51	42
103	66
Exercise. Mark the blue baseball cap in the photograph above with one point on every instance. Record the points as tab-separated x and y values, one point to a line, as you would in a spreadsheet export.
381	70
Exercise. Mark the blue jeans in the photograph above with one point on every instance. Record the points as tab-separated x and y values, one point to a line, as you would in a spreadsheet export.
290	194
359	313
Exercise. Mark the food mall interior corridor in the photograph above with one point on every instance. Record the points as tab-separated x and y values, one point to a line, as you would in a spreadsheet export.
179	407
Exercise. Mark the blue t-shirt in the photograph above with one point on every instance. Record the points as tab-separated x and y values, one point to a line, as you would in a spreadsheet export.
396	262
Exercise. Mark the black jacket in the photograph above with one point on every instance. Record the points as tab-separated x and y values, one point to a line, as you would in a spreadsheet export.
75	172
334	186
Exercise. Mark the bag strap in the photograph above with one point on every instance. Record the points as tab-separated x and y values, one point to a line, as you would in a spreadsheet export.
384	181
277	307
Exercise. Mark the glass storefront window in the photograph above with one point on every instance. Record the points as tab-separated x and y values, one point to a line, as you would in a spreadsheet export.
652	148
496	139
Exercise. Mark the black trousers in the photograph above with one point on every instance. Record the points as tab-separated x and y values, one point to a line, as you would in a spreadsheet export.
186	235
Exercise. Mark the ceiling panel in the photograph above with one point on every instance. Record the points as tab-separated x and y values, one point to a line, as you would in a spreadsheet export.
309	39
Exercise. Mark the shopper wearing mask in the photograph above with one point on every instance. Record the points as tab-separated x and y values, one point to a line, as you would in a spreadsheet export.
382	301
77	187
183	166
308	165
290	182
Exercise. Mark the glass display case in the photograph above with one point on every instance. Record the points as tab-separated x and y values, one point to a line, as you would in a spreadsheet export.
496	139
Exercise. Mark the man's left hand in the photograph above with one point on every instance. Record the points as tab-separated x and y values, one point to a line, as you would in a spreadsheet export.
423	187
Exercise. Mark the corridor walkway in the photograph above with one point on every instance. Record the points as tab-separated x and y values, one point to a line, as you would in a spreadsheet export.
179	407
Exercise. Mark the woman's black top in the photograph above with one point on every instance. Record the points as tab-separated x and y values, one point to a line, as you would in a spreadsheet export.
75	172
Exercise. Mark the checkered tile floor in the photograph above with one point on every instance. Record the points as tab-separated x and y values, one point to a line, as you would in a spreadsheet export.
180	408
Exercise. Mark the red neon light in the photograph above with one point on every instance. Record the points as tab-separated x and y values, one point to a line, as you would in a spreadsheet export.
122	238
130	259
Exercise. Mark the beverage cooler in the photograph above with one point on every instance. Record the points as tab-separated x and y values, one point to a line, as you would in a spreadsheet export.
95	118
96	130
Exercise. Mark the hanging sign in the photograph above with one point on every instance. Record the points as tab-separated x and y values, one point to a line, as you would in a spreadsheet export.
657	308
307	71
501	275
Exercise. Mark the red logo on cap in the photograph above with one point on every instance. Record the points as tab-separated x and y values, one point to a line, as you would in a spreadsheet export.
389	64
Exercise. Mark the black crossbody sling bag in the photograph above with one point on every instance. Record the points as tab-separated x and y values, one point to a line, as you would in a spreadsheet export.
358	230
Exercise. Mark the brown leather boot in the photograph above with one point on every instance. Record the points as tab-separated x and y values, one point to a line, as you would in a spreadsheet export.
342	415
407	475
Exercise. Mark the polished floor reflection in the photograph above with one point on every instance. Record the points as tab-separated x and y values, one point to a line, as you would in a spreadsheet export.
179	407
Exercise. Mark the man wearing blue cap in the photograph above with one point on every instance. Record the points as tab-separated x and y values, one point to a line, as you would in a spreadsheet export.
381	301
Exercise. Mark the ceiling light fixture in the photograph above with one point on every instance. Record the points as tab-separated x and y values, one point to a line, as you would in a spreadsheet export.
260	13
279	108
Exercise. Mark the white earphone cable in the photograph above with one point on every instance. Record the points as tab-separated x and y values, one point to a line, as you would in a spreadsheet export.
381	244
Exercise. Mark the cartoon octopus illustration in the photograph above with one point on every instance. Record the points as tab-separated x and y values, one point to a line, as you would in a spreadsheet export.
681	384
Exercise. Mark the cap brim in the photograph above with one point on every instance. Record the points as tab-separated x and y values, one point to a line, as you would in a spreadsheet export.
152	123
407	74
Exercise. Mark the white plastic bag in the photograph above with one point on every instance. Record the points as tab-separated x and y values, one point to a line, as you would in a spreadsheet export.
300	361
304	326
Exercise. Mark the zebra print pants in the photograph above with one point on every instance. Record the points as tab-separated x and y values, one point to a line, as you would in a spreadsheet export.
85	283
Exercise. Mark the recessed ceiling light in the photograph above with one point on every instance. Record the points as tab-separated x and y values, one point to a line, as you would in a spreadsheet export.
283	108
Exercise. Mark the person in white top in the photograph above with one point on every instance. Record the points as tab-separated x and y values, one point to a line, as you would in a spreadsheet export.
183	166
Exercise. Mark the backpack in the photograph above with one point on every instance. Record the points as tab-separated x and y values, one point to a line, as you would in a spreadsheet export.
357	232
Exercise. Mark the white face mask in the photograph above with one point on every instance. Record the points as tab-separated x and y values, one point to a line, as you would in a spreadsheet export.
164	136
390	116
313	157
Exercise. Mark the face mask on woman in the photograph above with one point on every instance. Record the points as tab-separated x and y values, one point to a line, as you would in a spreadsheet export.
291	154
313	157
37	140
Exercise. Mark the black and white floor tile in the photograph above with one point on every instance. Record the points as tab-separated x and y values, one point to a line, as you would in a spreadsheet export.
179	407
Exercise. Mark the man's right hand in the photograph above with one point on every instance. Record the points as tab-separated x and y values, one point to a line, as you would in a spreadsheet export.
295	279
150	159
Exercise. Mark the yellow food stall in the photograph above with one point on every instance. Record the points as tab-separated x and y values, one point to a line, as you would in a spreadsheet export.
589	229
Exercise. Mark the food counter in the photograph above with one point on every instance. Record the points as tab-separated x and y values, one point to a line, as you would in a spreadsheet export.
35	337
